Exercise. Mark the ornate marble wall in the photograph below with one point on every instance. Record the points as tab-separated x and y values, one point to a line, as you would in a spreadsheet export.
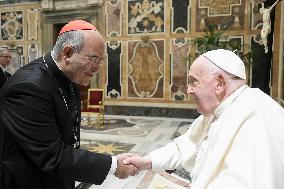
147	41
8	2
20	32
145	69
148	45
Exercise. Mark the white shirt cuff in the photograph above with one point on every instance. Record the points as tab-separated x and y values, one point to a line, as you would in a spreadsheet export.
113	165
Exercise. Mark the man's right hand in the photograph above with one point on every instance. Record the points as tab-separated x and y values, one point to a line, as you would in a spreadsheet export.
123	171
141	163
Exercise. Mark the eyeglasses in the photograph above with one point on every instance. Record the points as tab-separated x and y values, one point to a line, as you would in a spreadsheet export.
192	82
92	59
6	56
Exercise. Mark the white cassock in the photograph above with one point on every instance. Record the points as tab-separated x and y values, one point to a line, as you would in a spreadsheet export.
240	146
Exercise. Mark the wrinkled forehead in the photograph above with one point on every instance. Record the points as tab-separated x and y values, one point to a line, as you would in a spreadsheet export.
92	36
94	43
198	66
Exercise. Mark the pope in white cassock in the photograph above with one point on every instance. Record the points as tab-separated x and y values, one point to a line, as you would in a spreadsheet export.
237	142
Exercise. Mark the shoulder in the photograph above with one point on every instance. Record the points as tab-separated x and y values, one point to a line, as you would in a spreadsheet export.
253	102
257	99
32	76
32	72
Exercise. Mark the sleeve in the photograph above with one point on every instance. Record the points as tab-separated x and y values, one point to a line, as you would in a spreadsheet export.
29	115
165	158
180	152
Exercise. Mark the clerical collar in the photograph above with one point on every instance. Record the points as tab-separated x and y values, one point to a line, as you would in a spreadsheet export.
220	109
58	74
3	69
51	54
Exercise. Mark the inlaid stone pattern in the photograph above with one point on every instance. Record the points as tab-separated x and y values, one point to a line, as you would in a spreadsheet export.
33	52
256	17
179	68
105	147
113	83
114	18
138	135
7	2
145	16
32	24
226	14
12	25
181	16
145	69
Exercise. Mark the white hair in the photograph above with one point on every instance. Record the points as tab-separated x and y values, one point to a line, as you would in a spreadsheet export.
75	39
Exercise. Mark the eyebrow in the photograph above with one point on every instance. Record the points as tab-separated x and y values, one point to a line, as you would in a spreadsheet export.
96	55
192	78
100	58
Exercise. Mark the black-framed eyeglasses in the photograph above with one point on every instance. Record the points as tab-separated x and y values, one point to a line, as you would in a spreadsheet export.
92	59
192	81
6	56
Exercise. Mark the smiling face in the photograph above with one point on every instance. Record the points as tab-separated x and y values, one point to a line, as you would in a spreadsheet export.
202	86
81	65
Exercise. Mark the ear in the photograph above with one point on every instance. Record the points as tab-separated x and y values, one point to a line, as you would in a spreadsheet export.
221	85
67	53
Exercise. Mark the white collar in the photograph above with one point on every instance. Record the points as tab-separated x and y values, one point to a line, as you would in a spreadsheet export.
220	109
2	68
54	60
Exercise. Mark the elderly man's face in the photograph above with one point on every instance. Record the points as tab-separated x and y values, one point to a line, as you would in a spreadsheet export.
5	58
86	61
201	86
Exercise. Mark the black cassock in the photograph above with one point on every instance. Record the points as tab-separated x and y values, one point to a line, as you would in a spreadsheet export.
3	77
38	132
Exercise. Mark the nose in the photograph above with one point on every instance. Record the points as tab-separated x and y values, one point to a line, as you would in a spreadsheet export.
189	90
95	67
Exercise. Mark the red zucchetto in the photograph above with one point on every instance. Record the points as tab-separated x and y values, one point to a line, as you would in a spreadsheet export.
77	25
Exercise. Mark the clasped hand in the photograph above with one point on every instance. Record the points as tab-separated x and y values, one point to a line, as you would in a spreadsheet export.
129	164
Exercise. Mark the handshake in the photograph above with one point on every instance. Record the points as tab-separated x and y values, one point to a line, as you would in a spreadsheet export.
129	164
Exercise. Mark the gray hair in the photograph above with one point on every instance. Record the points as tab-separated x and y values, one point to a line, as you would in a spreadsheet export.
75	39
2	50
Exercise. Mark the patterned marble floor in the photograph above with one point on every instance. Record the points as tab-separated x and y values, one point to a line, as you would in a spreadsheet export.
139	135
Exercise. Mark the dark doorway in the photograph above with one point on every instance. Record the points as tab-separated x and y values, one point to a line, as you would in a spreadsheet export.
56	30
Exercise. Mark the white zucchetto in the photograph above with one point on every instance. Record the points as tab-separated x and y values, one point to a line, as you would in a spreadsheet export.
228	61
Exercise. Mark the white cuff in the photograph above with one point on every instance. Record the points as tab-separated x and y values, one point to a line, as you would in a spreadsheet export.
113	165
